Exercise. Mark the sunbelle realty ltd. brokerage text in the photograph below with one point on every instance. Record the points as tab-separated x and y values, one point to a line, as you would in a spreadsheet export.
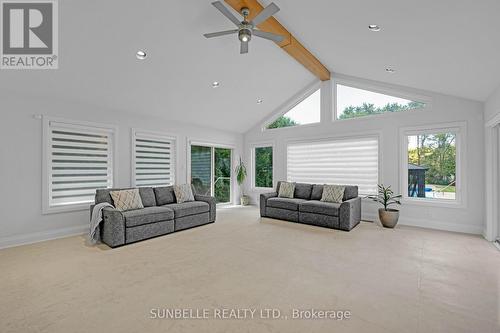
247	313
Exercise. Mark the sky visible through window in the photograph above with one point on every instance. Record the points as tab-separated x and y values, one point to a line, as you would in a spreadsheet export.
307	111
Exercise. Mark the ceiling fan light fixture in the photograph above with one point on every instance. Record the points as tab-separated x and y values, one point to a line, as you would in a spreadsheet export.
245	35
215	84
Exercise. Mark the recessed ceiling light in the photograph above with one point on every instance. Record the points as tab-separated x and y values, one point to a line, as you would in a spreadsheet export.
141	55
390	70
374	27
260	100
215	84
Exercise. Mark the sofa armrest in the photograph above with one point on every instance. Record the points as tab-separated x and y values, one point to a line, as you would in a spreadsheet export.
350	213
113	227
212	204
263	201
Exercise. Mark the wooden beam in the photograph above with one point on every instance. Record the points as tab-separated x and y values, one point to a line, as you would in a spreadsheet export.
290	44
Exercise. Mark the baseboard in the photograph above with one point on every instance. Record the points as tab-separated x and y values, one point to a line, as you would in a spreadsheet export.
36	237
432	224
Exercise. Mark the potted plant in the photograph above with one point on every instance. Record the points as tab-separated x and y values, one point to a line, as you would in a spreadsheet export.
241	175
388	217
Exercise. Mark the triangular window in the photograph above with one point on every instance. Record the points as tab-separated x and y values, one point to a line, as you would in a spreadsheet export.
355	103
307	111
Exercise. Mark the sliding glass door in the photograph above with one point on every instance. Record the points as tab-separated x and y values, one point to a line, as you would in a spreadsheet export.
211	171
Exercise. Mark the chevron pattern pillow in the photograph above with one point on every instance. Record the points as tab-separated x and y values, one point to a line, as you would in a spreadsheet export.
127	199
286	190
333	193
183	193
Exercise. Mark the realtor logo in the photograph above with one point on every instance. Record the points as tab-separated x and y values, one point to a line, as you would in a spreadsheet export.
29	35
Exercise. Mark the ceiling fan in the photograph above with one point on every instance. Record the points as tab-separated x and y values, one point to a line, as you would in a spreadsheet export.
247	29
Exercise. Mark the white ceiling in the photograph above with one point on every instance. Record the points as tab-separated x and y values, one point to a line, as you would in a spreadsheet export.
445	46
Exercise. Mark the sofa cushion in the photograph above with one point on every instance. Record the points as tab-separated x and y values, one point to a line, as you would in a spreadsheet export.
302	191
350	192
317	192
146	193
147	196
333	193
320	207
183	193
164	195
188	208
286	190
285	203
147	215
124	200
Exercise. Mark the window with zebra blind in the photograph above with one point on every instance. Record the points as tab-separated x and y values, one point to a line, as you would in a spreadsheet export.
352	161
78	159
153	159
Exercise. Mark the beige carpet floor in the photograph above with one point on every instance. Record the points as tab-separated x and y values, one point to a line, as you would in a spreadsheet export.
402	280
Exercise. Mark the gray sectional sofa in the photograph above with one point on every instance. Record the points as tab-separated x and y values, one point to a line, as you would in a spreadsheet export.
306	207
161	215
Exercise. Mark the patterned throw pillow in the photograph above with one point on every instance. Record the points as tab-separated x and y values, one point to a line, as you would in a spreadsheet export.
183	193
127	199
333	193
286	190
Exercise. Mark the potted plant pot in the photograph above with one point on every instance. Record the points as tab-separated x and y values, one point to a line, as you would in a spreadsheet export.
389	218
245	200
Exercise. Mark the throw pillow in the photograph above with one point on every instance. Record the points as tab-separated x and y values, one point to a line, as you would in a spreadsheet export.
333	193
183	193
286	190
127	199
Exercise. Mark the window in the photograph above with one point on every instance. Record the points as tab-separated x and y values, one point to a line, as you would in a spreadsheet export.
211	171
351	161
431	165
263	167
307	111
78	160
355	103
153	159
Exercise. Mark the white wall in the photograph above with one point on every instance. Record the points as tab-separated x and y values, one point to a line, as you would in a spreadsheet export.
21	219
492	105
492	168
442	109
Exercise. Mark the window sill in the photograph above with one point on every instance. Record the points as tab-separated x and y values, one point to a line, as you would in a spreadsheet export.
433	203
261	189
66	208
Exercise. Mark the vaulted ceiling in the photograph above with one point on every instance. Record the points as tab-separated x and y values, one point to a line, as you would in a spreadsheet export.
445	46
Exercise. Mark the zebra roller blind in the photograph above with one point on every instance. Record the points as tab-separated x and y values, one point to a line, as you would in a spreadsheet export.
80	160
154	160
343	162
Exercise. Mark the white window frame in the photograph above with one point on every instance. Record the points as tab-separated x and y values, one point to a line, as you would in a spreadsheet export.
47	153
376	88
460	131
152	135
290	104
364	135
194	142
252	167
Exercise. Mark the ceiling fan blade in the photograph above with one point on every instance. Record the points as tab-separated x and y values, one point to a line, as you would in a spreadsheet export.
244	47
223	9
265	14
220	33
269	35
